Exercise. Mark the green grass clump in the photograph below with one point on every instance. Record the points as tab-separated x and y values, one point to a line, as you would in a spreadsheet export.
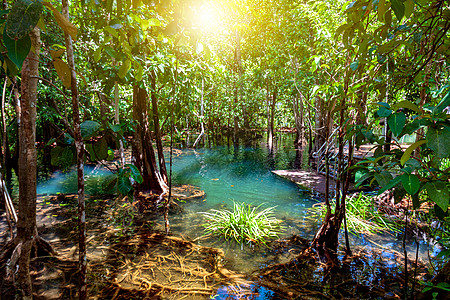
362	215
244	224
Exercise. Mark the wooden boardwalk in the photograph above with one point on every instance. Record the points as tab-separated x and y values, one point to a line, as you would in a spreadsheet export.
310	180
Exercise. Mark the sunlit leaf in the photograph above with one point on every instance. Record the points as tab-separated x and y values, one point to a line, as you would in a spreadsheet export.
124	68
381	10
56	53
406	104
63	71
409	151
65	24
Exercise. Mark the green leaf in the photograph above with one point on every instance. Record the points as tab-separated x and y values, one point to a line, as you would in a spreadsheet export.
54	154
438	192
384	178
115	128
135	174
399	9
124	185
438	140
397	122
409	151
97	54
17	49
383	112
138	71
124	68
89	128
101	149
439	212
411	183
66	158
381	10
443	104
387	183
406	104
11	68
23	17
409	8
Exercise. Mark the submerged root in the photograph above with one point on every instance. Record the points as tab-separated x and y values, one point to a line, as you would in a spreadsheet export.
363	275
154	264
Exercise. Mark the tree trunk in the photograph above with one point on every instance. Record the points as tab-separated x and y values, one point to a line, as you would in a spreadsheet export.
79	146
297	107
28	166
201	116
272	117
158	141
143	152
117	121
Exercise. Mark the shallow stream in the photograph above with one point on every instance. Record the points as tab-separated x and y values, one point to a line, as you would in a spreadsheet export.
230	174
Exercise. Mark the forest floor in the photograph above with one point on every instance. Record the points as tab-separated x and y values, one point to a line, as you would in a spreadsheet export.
130	258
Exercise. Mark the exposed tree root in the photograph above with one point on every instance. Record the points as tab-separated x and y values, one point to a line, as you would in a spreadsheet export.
155	264
10	253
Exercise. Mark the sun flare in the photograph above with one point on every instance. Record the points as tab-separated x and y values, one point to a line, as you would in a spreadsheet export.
206	18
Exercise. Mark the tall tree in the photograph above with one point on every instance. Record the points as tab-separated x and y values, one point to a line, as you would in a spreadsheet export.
79	146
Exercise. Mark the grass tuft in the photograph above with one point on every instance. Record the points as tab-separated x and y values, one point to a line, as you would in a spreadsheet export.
362	216
245	224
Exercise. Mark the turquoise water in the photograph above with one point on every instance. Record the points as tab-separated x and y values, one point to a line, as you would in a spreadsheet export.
240	174
228	174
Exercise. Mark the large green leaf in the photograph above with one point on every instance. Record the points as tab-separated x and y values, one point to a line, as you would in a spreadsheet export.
124	68
438	192
124	185
17	49
99	150
390	183
135	174
397	122
23	17
406	104
89	128
438	140
383	112
399	8
383	178
411	183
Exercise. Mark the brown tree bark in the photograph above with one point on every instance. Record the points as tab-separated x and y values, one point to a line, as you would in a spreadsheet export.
143	152
79	146
158	141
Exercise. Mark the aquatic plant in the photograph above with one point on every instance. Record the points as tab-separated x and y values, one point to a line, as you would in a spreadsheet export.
361	213
244	224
